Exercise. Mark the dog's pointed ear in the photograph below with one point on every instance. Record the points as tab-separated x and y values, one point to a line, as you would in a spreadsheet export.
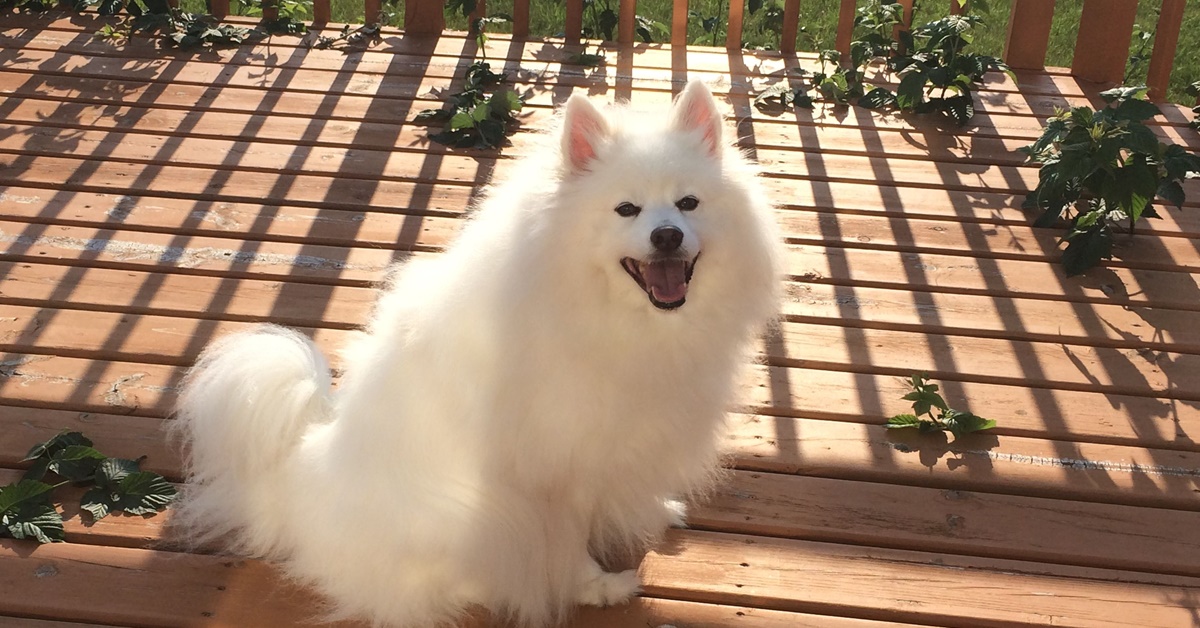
696	112
584	129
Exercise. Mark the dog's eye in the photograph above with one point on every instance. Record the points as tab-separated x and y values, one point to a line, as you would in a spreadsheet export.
687	203
628	209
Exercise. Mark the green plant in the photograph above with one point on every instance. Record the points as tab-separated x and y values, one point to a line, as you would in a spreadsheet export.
1101	168
941	417
475	118
363	35
587	59
117	485
289	15
936	74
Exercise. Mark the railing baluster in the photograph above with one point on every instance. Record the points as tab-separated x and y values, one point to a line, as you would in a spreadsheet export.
906	18
679	22
479	12
372	10
1028	34
1166	39
421	17
521	18
845	28
1102	47
220	8
574	23
733	34
956	8
321	11
625	21
791	25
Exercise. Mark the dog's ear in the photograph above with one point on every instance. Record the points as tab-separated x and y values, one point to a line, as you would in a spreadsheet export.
696	112
584	129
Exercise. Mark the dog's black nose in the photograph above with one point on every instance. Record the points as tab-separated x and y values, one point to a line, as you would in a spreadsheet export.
666	238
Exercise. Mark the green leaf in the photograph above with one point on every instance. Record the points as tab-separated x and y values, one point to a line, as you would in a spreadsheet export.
877	98
61	441
26	512
911	91
1172	192
925	399
461	120
1124	93
137	493
959	423
76	463
901	421
1087	248
113	470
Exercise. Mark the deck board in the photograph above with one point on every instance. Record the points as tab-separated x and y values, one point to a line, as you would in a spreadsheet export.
151	201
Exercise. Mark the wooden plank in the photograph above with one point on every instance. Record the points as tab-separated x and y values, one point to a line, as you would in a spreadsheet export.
1028	34
955	522
116	435
91	583
1166	38
1102	45
999	463
791	26
892	584
133	292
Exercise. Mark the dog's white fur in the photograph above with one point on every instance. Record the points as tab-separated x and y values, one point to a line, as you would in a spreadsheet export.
516	407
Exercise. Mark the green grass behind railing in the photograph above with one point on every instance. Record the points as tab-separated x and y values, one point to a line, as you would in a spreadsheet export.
818	18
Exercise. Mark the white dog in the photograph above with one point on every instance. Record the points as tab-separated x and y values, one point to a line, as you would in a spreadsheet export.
520	406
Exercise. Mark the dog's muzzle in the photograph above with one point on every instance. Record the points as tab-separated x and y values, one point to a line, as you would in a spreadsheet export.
665	280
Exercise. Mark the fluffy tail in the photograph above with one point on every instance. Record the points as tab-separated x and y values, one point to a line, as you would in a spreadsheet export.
241	413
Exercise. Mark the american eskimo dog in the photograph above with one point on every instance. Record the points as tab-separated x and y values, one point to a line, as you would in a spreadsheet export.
519	408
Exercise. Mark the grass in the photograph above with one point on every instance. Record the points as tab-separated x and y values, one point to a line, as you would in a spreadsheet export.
818	19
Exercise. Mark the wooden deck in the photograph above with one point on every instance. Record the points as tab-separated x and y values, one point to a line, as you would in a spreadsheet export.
151	202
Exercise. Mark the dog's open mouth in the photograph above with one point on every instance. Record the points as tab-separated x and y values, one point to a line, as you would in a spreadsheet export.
665	280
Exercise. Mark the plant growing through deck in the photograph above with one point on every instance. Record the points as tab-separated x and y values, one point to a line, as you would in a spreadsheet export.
941	417
1101	168
935	71
478	116
117	485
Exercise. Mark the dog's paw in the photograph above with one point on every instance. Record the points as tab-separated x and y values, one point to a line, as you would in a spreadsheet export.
608	589
676	513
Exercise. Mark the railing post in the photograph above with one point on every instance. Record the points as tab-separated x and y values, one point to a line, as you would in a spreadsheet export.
421	17
1028	34
679	16
1166	39
625	21
791	25
574	24
219	8
845	28
321	11
905	24
1102	47
733	34
521	18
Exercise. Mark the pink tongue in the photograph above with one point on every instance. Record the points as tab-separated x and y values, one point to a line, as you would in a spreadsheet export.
666	279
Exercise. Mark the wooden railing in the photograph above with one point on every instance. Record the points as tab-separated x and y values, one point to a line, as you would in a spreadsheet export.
1101	47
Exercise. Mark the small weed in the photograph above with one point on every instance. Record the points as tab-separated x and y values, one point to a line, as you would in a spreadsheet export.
941	417
118	485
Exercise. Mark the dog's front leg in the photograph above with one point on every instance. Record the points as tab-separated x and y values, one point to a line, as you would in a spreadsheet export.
605	588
